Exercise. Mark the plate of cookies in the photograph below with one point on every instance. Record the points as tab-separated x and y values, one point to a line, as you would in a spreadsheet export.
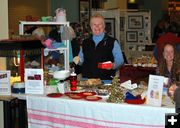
93	98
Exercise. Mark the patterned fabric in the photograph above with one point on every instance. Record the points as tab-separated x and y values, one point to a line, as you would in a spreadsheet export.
44	112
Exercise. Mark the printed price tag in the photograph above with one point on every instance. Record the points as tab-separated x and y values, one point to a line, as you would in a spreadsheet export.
34	81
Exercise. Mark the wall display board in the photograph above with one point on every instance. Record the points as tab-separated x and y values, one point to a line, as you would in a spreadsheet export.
132	28
135	32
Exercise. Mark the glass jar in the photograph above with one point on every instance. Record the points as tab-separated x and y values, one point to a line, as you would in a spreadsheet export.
73	81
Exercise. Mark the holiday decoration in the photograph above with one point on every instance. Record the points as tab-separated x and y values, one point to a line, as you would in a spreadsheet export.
117	93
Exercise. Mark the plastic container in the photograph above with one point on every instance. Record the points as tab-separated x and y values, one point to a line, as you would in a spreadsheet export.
60	15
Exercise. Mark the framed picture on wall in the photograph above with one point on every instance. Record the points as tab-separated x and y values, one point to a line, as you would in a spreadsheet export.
141	33
131	36
132	47
85	13
122	23
110	26
135	22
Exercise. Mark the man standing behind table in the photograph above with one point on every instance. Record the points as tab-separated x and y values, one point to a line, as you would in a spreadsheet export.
99	48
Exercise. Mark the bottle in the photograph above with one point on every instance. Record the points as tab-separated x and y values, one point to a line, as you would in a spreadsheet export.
73	81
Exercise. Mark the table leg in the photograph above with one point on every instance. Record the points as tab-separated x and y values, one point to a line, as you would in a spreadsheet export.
10	108
22	114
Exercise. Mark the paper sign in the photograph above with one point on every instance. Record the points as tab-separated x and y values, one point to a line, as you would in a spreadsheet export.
34	81
5	86
155	89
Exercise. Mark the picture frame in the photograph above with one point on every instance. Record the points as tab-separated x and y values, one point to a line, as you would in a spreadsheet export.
110	26
122	23
135	22
132	47
141	33
84	13
131	36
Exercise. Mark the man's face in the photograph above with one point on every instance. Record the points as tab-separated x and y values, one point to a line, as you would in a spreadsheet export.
168	53
97	26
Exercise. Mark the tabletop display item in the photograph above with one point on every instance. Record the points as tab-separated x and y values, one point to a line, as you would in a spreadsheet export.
18	87
102	91
74	95
116	94
132	99
105	65
61	75
54	95
90	82
93	98
73	81
145	61
88	93
90	85
50	89
136	101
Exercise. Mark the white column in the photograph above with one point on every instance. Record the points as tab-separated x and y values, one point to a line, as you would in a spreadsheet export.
4	28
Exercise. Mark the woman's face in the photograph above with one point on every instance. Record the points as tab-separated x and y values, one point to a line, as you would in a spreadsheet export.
168	53
97	25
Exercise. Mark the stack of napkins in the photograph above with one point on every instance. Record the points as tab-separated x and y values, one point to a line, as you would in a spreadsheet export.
128	85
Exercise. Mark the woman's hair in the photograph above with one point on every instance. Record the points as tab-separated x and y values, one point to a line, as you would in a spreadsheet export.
176	62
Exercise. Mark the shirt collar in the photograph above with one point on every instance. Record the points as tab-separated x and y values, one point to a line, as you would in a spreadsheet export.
98	38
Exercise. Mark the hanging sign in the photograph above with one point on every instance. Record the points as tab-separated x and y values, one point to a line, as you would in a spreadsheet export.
155	90
34	81
5	86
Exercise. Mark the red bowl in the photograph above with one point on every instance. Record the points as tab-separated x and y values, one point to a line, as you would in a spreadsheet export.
136	101
54	95
88	93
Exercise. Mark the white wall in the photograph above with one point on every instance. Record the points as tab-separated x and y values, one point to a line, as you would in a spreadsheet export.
3	34
4	19
1	113
4	27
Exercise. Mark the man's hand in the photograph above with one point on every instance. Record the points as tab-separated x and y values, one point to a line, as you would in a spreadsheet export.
76	59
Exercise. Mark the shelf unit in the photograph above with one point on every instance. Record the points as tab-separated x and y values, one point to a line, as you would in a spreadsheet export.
64	50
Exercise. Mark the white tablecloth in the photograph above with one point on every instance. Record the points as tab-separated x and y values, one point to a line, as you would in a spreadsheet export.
45	112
